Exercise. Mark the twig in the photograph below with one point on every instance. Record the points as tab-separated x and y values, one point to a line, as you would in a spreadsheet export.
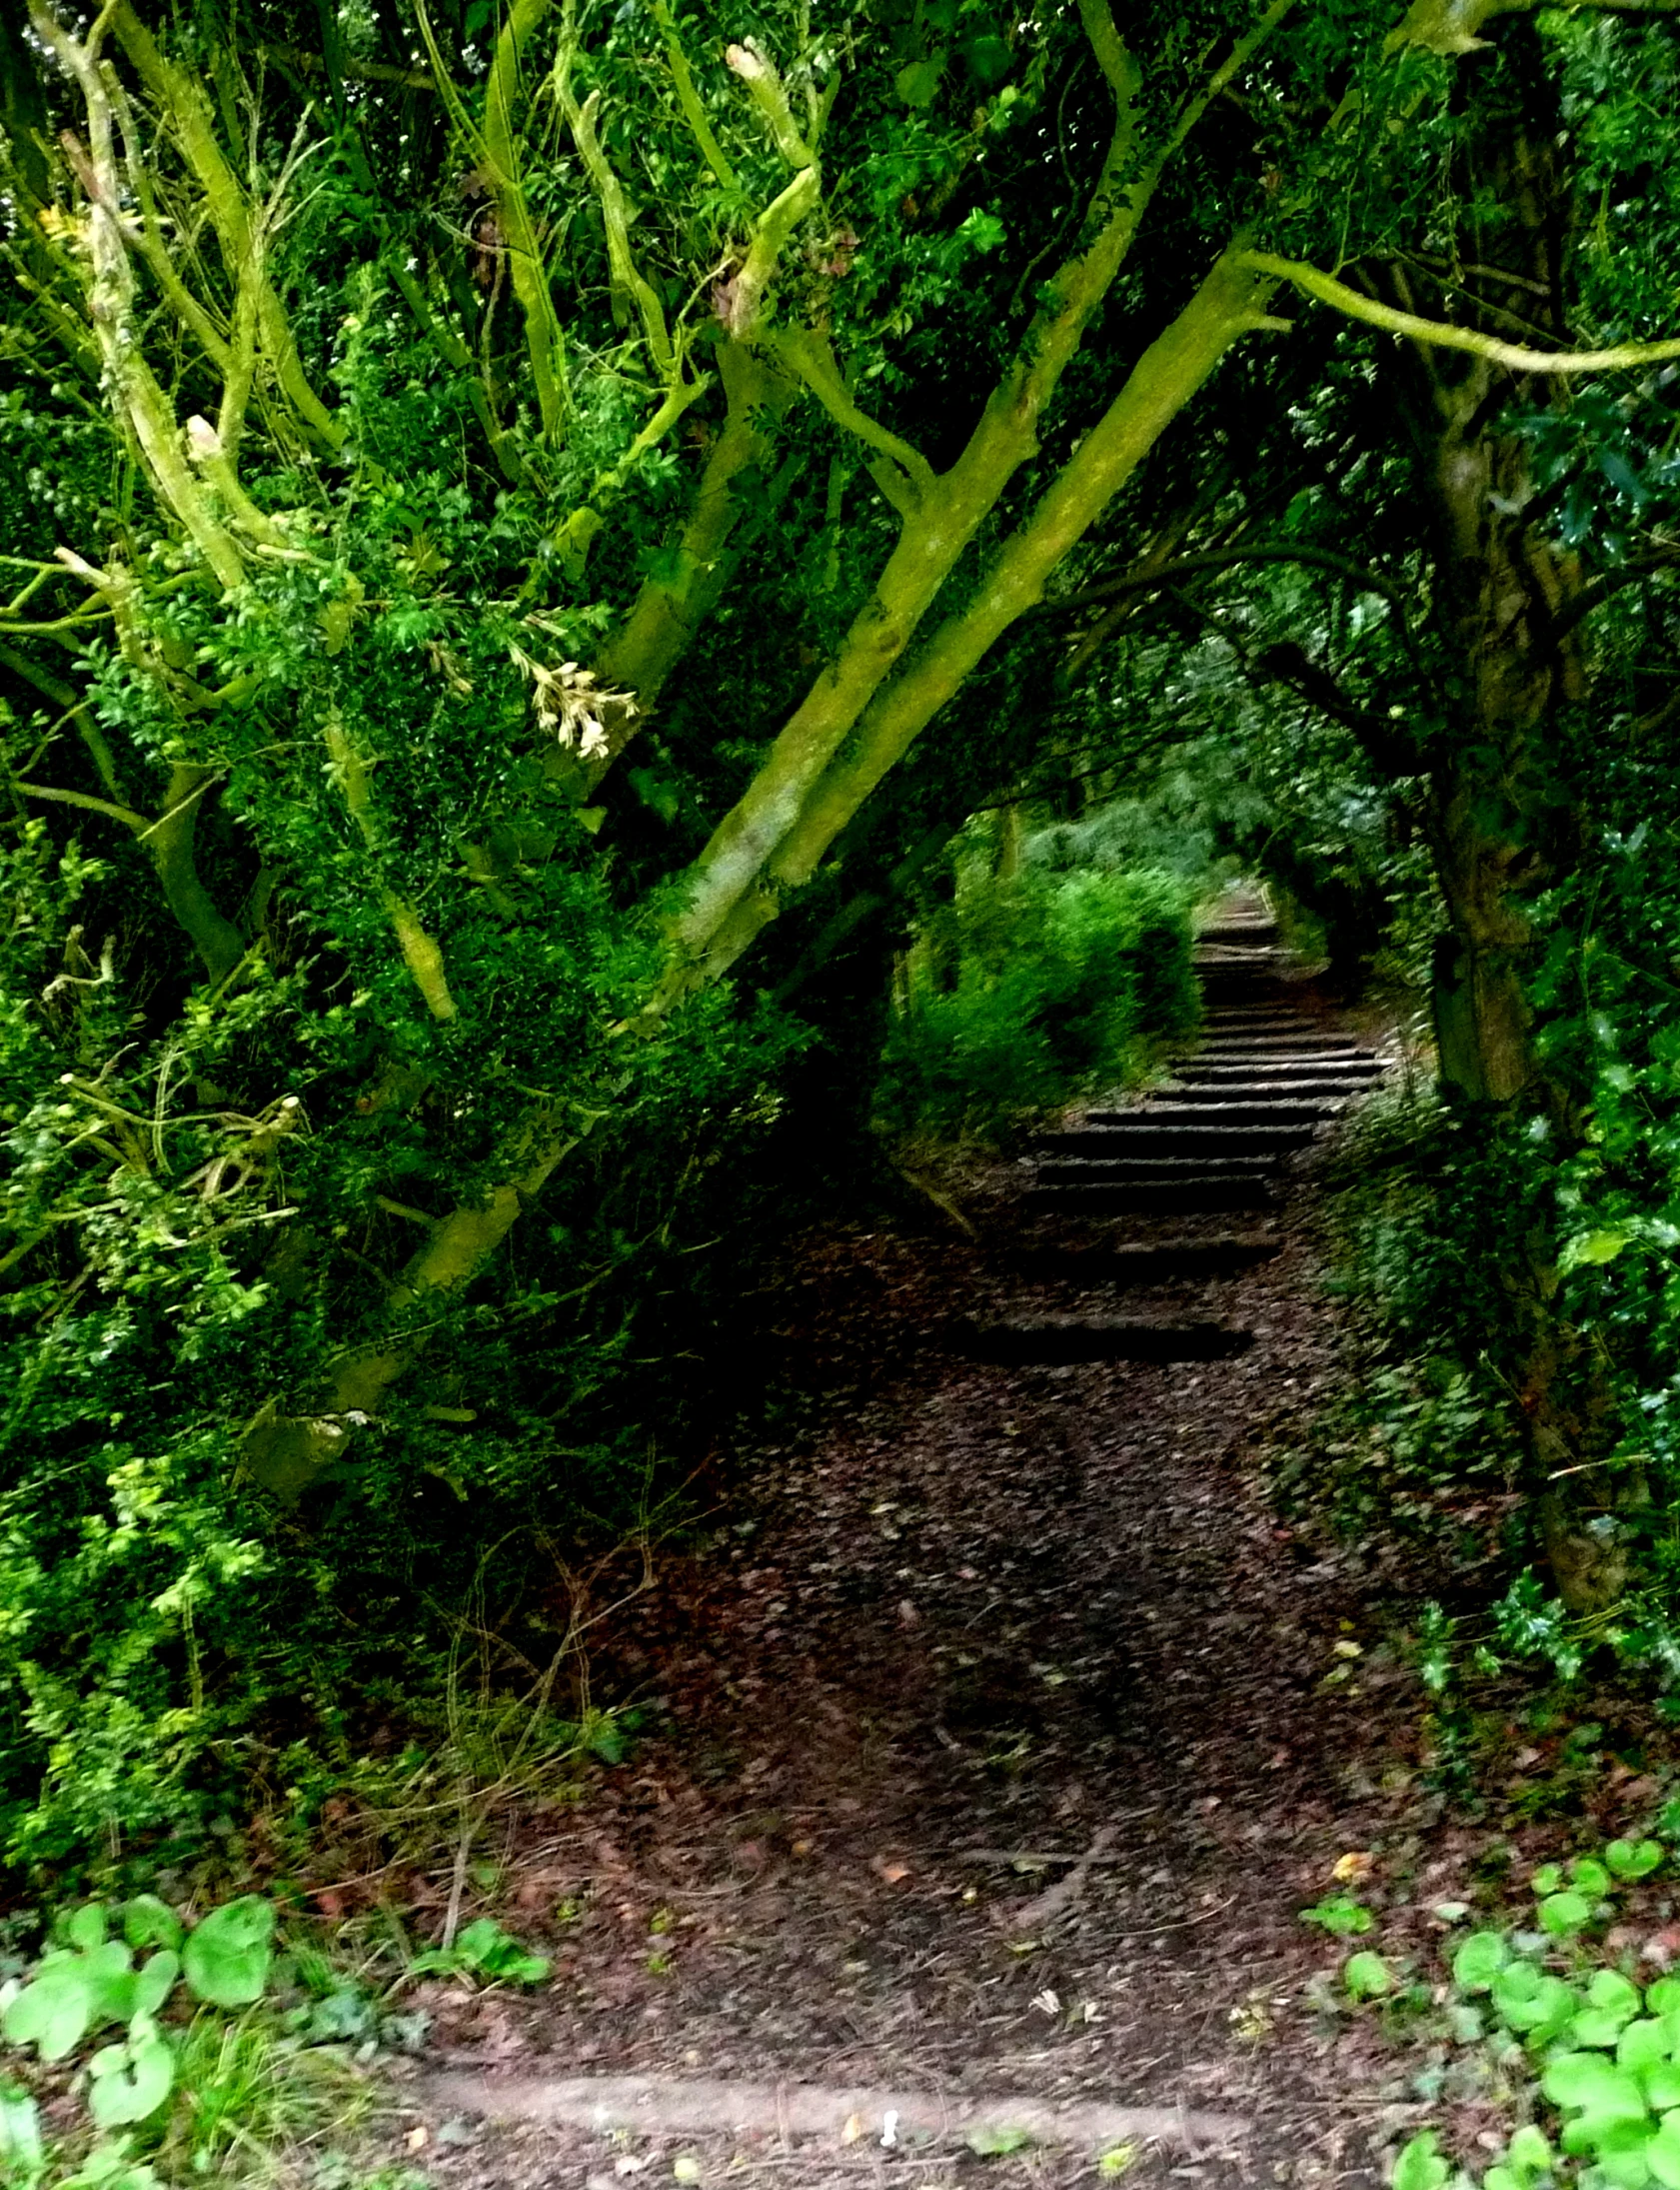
1049	1904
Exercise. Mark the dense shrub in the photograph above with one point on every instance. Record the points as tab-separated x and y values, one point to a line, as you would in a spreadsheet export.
1052	985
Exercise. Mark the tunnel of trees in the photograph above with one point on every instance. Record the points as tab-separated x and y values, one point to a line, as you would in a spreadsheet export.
531	529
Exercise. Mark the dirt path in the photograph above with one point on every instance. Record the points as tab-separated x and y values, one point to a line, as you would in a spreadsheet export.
984	1615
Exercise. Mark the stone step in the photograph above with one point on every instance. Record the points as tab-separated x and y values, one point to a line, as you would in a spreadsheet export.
1145	1134
1134	1262
1220	1027
1017	1340
1324	1088
1285	1045
1153	1171
1265	1072
1181	1106
1206	1195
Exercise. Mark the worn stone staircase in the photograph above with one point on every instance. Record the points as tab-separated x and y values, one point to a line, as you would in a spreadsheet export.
1223	1136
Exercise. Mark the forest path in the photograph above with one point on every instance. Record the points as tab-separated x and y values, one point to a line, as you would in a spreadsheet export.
994	1613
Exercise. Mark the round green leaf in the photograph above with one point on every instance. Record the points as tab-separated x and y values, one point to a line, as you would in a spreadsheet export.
1591	2085
1420	2165
1642	2044
1529	2000
1589	1876
1366	1976
1563	1913
1633	1858
54	2010
1612	1992
1547	1879
1661	2086
226	1957
85	1927
130	2081
156	1981
1662	2154
111	1982
149	1922
1622	2155
1663	1997
1479	1961
20	2130
1530	2150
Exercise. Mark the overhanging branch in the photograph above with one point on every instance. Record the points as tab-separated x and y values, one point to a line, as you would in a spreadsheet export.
1441	335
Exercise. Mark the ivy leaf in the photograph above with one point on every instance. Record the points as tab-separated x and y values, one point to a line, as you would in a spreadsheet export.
1479	1961
1633	1859
1564	1913
1366	1976
130	2081
226	1955
1420	2166
919	84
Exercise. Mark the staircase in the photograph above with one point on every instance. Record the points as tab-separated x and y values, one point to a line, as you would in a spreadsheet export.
1220	1138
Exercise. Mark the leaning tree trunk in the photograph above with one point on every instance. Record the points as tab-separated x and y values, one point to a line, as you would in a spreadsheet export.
1501	828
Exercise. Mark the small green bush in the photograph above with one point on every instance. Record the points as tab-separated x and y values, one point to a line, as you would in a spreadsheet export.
1059	985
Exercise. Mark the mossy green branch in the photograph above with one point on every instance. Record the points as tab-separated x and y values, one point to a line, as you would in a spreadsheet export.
1443	335
615	215
809	354
1229	304
687	98
182	100
939	530
545	341
669	610
1450	26
421	952
170	842
759	74
771	231
284	1454
131	384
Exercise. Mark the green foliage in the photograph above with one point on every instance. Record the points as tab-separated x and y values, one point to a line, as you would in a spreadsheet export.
231	2059
484	1950
1366	1976
1586	2055
1033	989
1341	1914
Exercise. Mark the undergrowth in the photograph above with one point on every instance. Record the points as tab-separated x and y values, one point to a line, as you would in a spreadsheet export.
1031	988
143	2052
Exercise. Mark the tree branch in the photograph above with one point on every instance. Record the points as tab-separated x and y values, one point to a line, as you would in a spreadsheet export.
687	98
1439	335
810	355
1223	558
